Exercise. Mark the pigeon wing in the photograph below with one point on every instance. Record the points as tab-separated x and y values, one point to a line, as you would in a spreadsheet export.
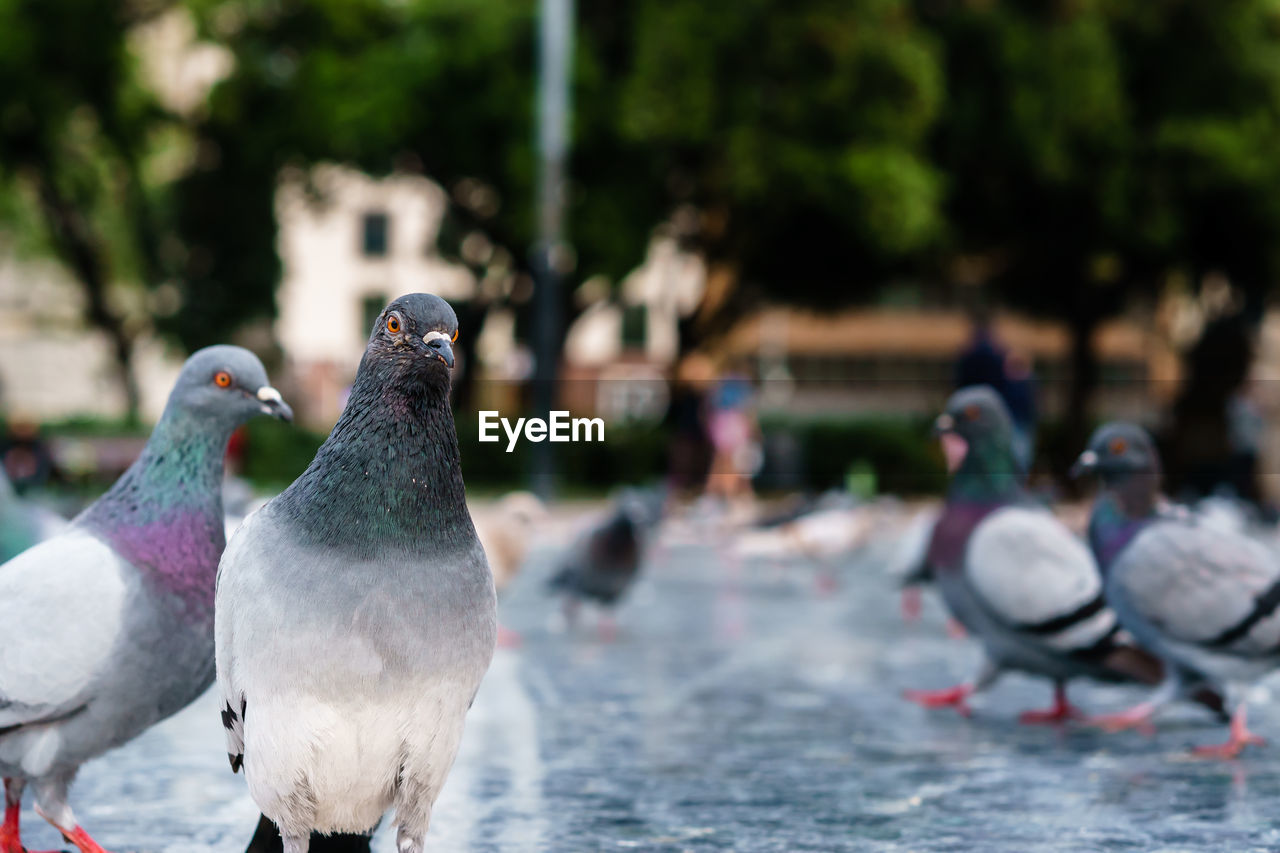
1036	577
238	571
62	606
1203	584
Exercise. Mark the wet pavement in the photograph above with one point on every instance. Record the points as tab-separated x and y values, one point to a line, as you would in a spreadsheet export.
744	706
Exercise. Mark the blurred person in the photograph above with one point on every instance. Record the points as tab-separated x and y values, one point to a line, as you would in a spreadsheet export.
1020	396
25	454
985	361
1211	443
689	445
735	435
982	362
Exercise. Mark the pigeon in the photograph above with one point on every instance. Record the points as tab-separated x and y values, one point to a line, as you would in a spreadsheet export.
107	628
1200	595
908	561
22	523
356	613
1013	575
506	530
605	560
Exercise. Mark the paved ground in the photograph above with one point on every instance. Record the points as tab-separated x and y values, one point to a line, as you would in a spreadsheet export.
742	709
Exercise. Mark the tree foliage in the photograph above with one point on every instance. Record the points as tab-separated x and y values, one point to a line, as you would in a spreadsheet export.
1096	149
1071	155
75	128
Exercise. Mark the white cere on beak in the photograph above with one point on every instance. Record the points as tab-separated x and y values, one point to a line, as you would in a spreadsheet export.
267	394
1088	458
945	422
435	336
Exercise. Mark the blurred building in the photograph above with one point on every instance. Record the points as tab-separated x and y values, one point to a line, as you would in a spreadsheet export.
621	348
902	360
52	366
349	244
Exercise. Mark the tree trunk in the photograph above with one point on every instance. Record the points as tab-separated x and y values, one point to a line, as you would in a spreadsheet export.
1085	375
82	251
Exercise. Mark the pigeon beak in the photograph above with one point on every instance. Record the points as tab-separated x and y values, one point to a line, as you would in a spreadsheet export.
1086	464
439	346
273	404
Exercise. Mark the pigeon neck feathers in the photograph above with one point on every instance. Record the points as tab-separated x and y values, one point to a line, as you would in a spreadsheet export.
164	514
988	479
990	473
1123	509
389	474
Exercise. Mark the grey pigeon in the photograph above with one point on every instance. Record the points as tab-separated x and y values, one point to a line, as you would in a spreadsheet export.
602	564
108	627
1199	594
356	611
1012	574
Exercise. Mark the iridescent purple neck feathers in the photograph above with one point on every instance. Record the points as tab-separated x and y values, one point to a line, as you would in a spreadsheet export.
164	515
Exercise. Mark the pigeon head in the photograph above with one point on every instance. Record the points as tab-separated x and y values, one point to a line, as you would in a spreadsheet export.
413	338
1118	451
975	430
227	385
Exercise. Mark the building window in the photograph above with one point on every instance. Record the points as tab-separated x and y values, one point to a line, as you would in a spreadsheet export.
635	326
376	233
370	307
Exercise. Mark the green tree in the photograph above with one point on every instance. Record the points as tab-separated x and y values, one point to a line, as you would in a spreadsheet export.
791	135
1095	149
75	129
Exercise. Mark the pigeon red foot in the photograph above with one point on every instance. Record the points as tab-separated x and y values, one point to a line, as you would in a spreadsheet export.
1138	717
912	604
11	836
508	639
10	840
1061	712
952	697
1239	739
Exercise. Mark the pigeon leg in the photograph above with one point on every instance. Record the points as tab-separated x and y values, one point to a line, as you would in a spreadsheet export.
956	697
952	697
607	627
569	606
1139	716
51	804
10	837
296	843
507	638
912	604
1061	712
1239	739
406	842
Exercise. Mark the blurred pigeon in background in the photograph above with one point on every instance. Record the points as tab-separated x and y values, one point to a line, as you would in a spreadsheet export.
1012	574
1199	594
908	561
605	560
23	523
108	627
506	530
356	613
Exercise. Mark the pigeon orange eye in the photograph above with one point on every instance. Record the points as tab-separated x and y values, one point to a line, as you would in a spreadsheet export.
222	379
454	339
971	412
393	324
1118	446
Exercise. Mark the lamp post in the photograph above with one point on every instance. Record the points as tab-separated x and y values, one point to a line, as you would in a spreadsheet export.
549	253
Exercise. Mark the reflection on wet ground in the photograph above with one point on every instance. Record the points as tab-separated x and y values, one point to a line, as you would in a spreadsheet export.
742	709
